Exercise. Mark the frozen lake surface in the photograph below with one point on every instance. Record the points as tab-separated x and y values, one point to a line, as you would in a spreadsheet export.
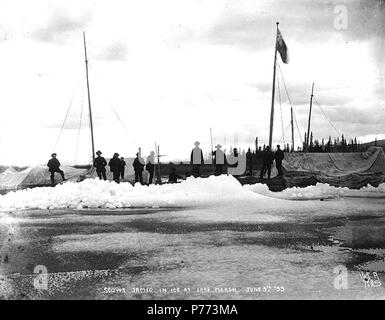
257	248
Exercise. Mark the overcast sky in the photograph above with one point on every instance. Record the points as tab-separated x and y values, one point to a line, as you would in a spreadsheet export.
172	69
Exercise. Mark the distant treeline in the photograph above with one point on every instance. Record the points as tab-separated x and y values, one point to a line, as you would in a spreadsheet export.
335	144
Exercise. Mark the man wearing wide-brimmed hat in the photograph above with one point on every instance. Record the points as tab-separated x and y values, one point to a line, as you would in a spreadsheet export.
150	166
267	161
196	159
279	156
219	160
138	165
100	165
115	167
54	166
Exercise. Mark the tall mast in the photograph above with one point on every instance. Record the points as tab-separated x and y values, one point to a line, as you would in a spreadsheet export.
158	177
273	93
292	129
308	123
212	148
89	99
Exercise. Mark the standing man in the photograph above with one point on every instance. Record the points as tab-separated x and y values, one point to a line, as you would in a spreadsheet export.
249	158
122	167
115	167
267	160
279	156
100	165
54	166
219	160
196	159
138	168
150	166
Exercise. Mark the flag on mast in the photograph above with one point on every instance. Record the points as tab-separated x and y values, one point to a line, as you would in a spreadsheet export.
282	48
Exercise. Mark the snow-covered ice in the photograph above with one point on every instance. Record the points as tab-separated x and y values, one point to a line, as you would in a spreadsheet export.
93	193
193	192
319	191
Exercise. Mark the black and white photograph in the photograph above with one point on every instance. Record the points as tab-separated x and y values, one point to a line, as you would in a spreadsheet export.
194	150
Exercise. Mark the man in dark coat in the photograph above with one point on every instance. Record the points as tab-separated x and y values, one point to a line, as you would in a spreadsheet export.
138	168
115	167
196	159
267	161
100	165
150	166
279	156
122	167
54	166
219	160
249	158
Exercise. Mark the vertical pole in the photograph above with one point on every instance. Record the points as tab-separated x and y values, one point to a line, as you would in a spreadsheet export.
89	99
157	167
292	130
308	122
212	148
159	177
273	93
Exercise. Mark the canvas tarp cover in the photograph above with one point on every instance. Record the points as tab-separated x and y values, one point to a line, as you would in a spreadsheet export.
13	179
352	169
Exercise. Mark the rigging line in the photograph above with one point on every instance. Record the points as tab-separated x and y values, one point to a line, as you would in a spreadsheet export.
288	126
132	137
296	124
324	114
295	118
65	119
288	97
110	104
280	107
284	84
300	137
122	123
116	114
80	126
291	105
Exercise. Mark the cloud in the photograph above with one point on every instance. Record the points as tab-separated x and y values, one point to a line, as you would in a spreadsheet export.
355	115
60	25
72	123
300	20
366	19
210	63
249	29
115	52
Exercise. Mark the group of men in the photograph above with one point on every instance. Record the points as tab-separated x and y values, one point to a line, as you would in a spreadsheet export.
117	165
196	160
268	157
220	160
